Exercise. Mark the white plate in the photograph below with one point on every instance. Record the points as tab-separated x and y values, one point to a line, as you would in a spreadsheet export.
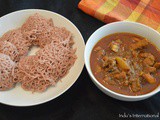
19	97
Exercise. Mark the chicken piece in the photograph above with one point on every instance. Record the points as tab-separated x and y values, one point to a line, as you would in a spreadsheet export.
147	55
97	49
135	39
122	64
139	45
149	59
109	62
148	62
98	69
105	58
121	75
149	78
100	53
109	81
149	69
134	53
136	86
110	65
118	41
114	47
126	83
157	65
105	61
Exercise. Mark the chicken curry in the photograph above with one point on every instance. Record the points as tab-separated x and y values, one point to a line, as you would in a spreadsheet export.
126	63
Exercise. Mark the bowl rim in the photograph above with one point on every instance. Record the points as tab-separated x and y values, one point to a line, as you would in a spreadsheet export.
78	75
156	90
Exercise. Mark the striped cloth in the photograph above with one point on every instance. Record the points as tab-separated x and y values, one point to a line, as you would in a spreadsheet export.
143	11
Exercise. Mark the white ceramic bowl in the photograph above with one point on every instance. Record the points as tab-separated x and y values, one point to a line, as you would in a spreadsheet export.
19	97
131	27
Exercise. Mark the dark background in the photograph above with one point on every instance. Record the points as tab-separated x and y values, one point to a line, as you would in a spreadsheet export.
83	101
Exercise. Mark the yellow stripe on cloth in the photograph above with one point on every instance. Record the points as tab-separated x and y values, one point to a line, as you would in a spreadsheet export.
158	29
108	6
138	10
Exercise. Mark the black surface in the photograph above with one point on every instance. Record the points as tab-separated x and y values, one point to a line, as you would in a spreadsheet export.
83	101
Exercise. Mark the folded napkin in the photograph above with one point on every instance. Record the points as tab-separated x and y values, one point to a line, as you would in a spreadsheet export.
143	11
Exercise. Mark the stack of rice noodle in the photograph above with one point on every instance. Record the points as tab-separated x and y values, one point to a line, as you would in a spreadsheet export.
6	66
35	73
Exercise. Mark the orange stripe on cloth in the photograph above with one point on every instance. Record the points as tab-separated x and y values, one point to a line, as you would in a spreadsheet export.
90	6
158	29
155	4
152	13
132	4
149	22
